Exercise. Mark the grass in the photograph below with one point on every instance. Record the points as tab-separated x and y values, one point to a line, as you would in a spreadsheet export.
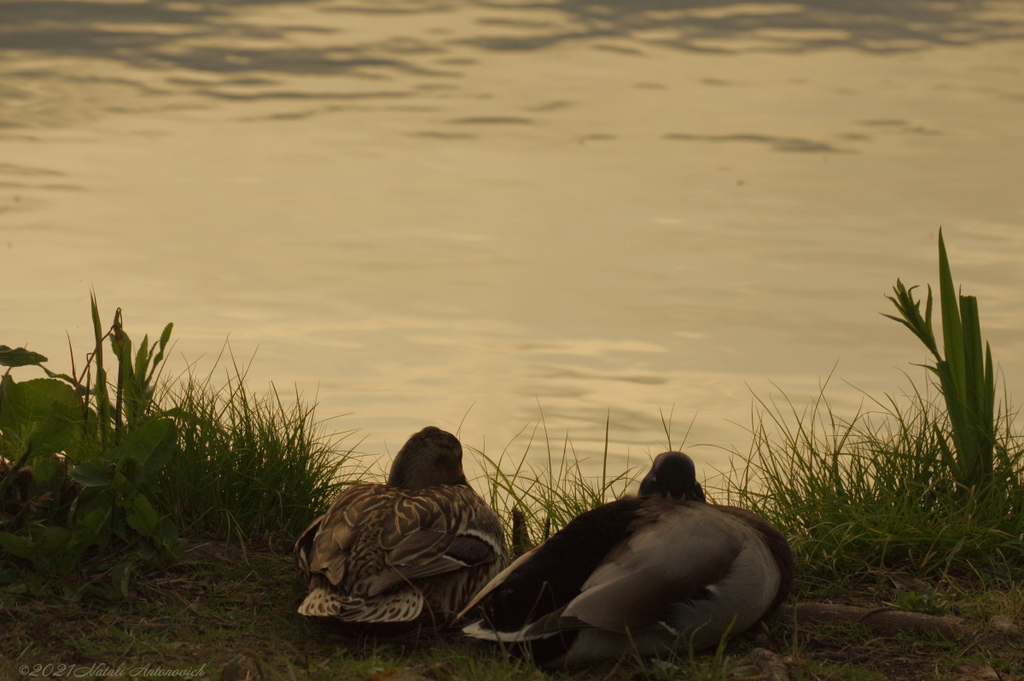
248	467
548	496
254	469
223	607
869	494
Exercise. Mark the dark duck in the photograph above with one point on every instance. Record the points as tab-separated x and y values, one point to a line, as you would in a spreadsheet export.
654	573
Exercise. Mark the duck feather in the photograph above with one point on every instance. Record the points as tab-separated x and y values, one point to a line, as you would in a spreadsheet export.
383	553
651	574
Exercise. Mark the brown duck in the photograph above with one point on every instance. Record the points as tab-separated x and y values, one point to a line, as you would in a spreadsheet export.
413	550
649	574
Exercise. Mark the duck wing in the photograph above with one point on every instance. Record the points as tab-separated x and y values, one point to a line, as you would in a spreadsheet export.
684	555
777	544
326	545
438	530
382	553
547	578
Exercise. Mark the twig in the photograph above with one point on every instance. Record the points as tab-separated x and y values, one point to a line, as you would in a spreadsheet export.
881	620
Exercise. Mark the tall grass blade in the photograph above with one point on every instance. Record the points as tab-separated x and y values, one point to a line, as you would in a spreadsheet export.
980	389
952	330
160	347
99	392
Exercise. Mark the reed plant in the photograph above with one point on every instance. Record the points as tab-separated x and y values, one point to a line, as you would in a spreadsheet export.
965	375
249	467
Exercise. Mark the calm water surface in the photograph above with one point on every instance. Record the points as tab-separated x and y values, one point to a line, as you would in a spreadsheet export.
458	212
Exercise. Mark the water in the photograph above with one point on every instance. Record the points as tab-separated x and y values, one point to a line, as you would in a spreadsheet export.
468	213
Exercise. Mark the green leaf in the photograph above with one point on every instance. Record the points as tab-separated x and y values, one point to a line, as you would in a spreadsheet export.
910	311
980	387
928	318
151	444
95	519
974	358
43	415
19	357
79	388
97	327
964	436
5	384
100	396
988	415
18	546
95	473
167	530
47	471
92	518
952	330
144	518
142	359
50	539
48	475
124	485
164	338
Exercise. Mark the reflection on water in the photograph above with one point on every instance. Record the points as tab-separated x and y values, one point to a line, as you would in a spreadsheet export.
467	212
247	50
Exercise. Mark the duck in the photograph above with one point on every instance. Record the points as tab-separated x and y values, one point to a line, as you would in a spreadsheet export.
659	572
413	550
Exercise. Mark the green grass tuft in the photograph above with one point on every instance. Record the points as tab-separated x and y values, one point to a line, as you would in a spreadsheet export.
871	493
248	467
552	495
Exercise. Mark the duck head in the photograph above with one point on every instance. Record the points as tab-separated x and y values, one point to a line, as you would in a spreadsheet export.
430	457
672	475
